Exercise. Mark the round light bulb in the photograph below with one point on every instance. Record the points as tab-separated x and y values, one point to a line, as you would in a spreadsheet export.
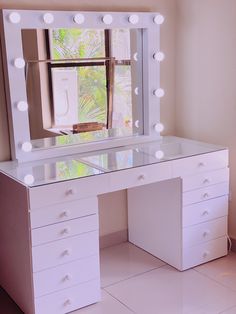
136	123
48	18
159	127
79	18
29	179
159	154
159	56
26	147
136	91
135	56
14	17
159	19
133	19
19	63
107	19
22	106
159	92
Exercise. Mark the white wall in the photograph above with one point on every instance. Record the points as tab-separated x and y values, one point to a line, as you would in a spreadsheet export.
206	78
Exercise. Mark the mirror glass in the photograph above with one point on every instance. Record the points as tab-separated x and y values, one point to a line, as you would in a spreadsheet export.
83	80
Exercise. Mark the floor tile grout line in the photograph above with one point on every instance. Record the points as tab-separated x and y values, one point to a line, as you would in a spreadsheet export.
216	281
125	305
133	276
230	308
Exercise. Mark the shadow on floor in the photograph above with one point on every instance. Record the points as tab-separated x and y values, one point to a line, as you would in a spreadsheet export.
7	305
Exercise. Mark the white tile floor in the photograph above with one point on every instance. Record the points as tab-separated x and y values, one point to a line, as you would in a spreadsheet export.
136	282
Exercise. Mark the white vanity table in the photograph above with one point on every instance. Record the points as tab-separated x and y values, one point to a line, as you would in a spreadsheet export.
177	188
177	210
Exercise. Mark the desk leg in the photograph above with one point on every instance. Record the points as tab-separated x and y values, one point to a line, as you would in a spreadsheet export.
154	219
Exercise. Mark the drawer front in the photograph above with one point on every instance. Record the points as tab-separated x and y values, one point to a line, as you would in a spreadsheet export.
205	232
70	190
69	299
64	229
204	252
64	251
204	211
205	193
205	179
200	163
139	176
65	276
63	212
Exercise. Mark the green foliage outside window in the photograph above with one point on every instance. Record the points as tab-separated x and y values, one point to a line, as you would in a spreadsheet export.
79	43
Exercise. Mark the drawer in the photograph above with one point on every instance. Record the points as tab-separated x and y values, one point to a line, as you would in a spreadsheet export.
139	176
200	163
69	299
64	251
205	179
63	212
65	276
204	252
205	193
64	229
204	232
70	190
204	211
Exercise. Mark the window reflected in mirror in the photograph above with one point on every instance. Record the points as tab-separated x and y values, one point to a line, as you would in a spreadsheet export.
82	80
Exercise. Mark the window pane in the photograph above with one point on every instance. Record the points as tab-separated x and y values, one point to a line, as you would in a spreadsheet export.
92	94
77	43
79	95
122	101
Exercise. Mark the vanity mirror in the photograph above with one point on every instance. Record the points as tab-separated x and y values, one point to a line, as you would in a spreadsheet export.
77	81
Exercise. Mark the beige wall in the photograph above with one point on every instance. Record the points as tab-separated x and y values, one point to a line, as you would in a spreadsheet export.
113	211
206	77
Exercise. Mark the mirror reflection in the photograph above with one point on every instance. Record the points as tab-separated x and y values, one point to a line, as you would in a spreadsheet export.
82	80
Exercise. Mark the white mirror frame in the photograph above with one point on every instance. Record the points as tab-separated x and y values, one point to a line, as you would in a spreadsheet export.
15	76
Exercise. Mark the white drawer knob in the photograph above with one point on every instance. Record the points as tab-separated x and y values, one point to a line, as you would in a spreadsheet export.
205	195
66	213
67	277
66	252
205	213
142	177
65	231
67	302
205	254
206	233
201	164
206	181
71	192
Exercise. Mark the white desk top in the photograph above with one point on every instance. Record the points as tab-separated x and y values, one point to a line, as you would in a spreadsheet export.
97	162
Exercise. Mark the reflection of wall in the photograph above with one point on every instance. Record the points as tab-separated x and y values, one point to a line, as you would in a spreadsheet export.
112	219
37	83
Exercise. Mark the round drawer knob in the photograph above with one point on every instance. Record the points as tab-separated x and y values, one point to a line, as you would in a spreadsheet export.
205	254
65	231
71	192
66	252
206	181
67	277
205	213
68	302
66	213
142	177
205	195
201	164
205	234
